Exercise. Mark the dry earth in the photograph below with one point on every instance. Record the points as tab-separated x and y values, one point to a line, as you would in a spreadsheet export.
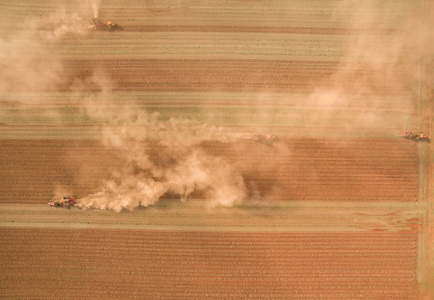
309	169
188	265
338	207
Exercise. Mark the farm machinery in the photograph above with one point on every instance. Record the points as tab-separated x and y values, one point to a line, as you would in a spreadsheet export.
261	138
97	24
408	134
66	201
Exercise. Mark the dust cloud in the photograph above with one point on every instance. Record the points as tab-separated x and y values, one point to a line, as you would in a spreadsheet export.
164	156
26	64
96	4
159	157
383	55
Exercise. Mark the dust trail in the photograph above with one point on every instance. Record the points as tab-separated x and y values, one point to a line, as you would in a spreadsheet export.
96	4
159	157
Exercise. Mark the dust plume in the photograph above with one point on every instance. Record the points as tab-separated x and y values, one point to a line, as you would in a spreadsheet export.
96	4
384	54
27	62
160	157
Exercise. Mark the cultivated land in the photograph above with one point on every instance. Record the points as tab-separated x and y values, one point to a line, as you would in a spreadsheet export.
362	169
339	206
189	265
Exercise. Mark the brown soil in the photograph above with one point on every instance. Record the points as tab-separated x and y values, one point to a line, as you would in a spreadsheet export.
219	75
296	169
96	263
34	169
329	169
154	264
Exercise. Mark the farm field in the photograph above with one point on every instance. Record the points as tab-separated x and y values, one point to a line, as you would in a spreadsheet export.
149	126
113	263
194	215
305	170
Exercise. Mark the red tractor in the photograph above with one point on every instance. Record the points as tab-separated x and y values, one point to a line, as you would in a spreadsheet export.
65	201
97	24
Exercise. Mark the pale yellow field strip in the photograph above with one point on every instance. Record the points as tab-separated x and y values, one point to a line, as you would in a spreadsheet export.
285	115
196	45
195	216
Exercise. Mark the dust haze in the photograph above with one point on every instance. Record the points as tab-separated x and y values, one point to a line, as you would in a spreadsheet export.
159	157
383	56
27	66
165	156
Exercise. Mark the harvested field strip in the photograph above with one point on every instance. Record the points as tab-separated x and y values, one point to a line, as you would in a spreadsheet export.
194	45
295	169
249	29
284	121
50	100
310	265
252	216
51	115
139	14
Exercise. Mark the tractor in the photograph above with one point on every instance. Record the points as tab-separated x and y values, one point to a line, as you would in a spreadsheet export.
260	138
97	24
66	201
408	134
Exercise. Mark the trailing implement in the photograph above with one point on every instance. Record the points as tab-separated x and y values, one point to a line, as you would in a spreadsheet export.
97	24
66	201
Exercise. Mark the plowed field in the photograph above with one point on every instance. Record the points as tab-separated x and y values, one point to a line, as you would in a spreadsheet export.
338	206
218	75
143	264
306	170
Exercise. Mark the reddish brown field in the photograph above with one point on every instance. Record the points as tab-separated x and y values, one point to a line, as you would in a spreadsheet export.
335	81
297	169
158	264
290	76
